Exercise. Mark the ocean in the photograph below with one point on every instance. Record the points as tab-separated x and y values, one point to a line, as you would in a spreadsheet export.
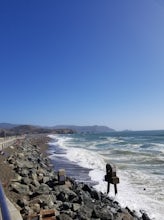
138	157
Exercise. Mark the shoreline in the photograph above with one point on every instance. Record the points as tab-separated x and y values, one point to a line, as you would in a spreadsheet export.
34	185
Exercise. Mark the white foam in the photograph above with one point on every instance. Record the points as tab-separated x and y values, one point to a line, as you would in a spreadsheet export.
159	147
130	192
113	140
52	156
132	197
86	158
60	140
135	197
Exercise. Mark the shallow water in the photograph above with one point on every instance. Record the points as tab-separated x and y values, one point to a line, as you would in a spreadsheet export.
138	156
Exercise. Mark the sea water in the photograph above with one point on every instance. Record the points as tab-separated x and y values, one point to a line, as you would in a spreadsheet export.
138	157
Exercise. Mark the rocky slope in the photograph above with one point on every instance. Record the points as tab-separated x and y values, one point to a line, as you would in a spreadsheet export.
35	187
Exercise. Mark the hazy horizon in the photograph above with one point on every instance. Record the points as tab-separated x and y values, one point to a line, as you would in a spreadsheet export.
81	125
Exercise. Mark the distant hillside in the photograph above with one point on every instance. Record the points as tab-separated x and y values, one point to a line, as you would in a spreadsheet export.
87	129
13	129
30	129
7	125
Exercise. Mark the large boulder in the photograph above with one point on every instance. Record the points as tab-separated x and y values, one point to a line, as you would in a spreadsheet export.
63	217
84	213
20	188
17	178
69	194
43	189
102	213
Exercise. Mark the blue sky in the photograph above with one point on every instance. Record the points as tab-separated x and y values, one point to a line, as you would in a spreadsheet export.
82	62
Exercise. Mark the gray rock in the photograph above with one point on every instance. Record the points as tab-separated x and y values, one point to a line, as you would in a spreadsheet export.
102	213
86	199
35	183
35	207
46	179
40	170
20	188
24	164
26	180
27	211
145	216
68	212
45	200
86	188
58	204
63	217
33	175
22	202
66	206
84	213
43	189
11	160
62	196
113	210
40	177
75	206
17	178
95	195
51	199
68	194
20	155
24	172
32	188
95	219
35	200
124	216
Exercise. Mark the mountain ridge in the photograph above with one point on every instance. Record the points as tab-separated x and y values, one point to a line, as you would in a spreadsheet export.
87	129
24	128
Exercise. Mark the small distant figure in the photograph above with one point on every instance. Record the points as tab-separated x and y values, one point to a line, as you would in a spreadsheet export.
111	177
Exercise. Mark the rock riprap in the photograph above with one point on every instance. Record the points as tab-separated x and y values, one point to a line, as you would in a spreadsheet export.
36	188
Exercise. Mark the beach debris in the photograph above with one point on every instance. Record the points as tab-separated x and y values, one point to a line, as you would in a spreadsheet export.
44	215
61	176
111	177
47	214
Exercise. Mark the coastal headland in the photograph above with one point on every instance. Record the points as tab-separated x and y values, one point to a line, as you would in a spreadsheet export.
31	184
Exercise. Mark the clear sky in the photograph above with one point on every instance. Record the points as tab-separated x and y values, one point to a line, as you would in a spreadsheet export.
82	62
